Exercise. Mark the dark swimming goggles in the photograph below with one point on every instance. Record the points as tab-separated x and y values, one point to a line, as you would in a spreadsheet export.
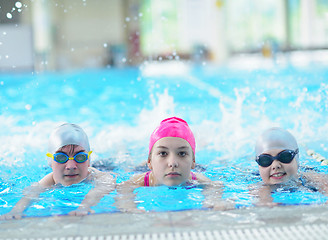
286	156
60	157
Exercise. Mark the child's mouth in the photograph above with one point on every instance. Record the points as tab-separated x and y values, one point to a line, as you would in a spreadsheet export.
278	175
173	174
71	175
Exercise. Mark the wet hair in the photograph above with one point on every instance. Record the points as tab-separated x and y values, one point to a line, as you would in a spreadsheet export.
71	148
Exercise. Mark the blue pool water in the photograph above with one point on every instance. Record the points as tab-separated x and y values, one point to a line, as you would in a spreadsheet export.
118	108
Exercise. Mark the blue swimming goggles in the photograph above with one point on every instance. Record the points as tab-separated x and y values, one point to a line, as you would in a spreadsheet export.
60	157
286	156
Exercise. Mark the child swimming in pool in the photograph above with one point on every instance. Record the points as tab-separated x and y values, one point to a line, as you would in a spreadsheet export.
277	155
170	160
69	157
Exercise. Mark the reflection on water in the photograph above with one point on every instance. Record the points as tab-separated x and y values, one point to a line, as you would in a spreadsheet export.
118	109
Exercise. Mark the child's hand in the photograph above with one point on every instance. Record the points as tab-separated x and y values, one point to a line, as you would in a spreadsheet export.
220	205
11	215
81	211
267	204
129	207
133	210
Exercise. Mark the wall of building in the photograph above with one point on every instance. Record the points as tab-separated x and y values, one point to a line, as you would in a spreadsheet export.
74	34
84	31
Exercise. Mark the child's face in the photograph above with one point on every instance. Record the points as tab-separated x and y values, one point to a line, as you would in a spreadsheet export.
278	172
171	161
70	172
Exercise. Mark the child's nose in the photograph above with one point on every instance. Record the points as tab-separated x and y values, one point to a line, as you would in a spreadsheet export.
172	162
276	164
71	164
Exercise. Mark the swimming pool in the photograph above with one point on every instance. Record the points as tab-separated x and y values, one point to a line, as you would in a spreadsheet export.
225	107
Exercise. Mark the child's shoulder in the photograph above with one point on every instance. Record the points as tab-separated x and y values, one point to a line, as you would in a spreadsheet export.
47	181
315	177
208	182
99	175
138	179
201	178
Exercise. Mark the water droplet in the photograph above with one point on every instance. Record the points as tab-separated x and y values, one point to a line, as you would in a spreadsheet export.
127	19
2	83
124	60
105	45
28	107
4	33
140	14
9	15
18	4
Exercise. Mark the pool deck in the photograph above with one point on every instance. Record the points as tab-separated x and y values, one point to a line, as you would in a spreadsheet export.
99	226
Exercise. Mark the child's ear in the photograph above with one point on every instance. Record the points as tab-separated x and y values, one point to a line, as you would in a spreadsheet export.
149	164
51	165
193	164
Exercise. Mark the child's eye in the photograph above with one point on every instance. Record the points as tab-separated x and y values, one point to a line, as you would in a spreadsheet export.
182	154
162	154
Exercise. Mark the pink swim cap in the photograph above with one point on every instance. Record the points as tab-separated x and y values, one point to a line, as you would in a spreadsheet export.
173	127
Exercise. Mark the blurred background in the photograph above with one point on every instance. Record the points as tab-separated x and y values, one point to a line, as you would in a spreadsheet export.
76	34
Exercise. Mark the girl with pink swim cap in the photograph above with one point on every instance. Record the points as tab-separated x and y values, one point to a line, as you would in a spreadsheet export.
171	157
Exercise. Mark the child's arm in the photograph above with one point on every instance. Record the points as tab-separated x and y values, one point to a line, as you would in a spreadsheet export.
125	199
213	194
104	184
320	181
263	195
29	194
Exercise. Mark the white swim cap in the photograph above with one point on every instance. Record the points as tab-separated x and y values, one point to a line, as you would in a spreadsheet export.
67	134
275	138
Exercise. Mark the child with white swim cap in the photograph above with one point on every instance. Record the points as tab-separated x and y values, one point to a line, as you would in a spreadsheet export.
68	140
277	156
69	157
171	157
